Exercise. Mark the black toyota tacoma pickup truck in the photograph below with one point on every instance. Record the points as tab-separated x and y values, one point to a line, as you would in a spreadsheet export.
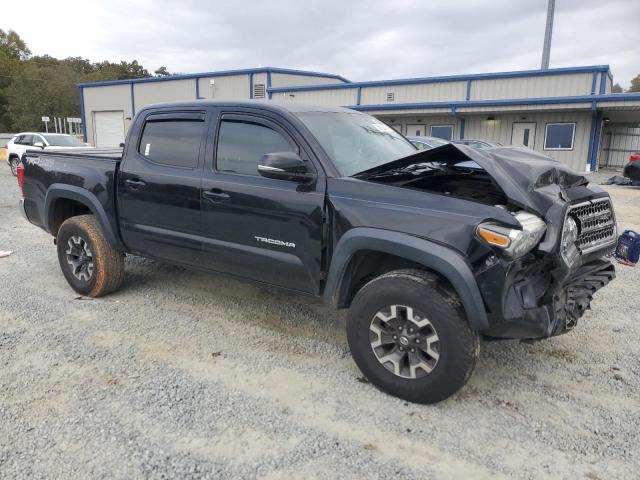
429	250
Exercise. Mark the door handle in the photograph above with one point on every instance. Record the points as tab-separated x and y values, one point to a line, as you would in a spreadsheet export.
135	183
216	196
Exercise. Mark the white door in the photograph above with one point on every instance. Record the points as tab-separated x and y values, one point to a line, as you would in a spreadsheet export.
524	134
416	130
108	128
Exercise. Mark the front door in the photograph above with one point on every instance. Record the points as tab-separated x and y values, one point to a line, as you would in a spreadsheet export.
255	227
524	134
416	130
159	187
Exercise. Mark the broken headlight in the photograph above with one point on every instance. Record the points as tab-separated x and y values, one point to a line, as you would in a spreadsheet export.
514	242
568	248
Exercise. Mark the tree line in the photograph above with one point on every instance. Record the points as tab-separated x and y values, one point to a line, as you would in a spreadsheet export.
33	86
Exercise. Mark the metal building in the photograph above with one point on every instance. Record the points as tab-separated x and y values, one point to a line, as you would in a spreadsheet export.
562	112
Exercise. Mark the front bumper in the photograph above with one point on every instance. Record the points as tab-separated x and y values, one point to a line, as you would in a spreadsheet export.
536	304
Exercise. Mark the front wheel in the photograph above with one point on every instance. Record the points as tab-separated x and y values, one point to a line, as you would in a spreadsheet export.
13	163
91	266
409	335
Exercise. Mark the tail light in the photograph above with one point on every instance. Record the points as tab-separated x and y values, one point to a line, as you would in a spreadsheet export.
20	172
634	157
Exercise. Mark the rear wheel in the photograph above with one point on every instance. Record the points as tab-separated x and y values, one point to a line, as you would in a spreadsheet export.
91	266
13	163
408	334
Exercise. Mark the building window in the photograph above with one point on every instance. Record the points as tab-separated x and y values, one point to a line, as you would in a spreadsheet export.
559	136
391	96
442	131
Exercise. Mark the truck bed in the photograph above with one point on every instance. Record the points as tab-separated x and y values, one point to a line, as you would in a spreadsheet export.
49	174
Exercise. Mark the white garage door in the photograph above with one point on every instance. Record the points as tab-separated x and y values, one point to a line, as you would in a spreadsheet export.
109	128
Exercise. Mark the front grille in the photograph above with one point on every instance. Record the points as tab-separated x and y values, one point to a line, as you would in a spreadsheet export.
596	224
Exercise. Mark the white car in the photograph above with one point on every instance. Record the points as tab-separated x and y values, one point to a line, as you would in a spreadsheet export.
19	144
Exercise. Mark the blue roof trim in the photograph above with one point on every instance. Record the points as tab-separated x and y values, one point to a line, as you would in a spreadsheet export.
221	73
613	97
448	78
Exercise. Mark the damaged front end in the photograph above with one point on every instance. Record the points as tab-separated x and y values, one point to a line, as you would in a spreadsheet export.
537	275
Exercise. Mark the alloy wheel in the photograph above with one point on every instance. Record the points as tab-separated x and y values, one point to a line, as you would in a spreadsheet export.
80	258
404	341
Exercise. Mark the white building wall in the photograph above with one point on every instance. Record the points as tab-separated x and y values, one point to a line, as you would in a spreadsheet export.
532	87
420	92
337	96
289	80
409	124
225	87
106	98
500	130
146	93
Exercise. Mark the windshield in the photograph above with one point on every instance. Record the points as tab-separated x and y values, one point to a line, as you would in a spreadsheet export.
356	142
63	141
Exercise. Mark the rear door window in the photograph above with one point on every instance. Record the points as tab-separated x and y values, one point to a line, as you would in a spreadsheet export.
172	141
26	140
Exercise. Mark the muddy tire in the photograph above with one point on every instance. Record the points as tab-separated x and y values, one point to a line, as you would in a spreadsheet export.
408	334
91	266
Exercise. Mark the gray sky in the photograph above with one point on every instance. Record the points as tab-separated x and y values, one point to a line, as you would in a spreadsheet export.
361	40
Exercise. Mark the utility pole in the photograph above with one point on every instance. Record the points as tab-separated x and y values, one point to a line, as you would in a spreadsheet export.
546	49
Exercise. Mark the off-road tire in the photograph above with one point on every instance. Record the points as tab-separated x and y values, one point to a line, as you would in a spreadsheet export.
107	273
13	163
426	292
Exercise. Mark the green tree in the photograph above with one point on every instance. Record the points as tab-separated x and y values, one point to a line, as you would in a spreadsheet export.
635	84
12	51
162	72
616	88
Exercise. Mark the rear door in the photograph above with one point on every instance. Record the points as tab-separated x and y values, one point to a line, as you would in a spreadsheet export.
260	228
159	186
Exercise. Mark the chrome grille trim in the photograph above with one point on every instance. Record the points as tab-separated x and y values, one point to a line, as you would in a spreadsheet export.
596	224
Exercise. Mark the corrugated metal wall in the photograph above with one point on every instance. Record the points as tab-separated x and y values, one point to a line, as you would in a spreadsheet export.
290	80
618	143
106	98
338	96
421	92
229	87
500	130
169	91
416	121
532	87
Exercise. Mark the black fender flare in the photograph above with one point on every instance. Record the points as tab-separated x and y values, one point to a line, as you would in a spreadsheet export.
445	261
84	196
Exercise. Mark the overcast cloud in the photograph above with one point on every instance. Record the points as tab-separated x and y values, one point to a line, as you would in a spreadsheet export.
361	40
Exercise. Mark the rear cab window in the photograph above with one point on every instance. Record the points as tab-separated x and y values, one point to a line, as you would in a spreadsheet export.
172	139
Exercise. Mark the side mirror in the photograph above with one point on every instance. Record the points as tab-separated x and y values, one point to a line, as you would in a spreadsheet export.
285	166
38	144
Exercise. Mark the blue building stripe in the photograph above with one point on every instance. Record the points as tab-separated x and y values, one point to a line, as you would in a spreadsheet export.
133	102
603	82
468	96
269	84
82	116
251	85
197	88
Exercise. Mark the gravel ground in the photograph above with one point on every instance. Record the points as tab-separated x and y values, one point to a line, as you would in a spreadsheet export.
184	375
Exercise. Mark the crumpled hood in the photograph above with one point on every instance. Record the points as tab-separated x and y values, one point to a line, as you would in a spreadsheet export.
529	179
